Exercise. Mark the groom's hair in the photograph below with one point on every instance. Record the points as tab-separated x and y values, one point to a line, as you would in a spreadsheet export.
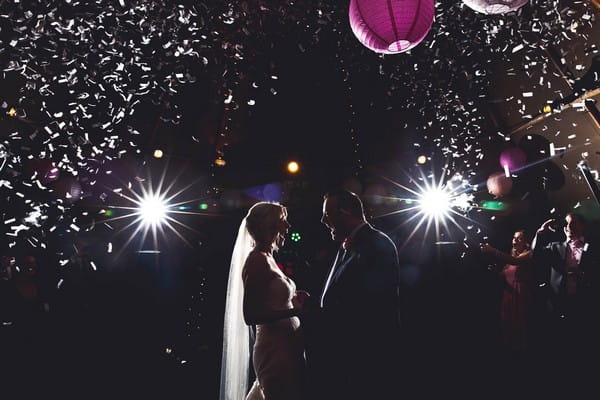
347	201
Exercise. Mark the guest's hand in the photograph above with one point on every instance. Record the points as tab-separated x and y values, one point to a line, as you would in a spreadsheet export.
486	248
547	226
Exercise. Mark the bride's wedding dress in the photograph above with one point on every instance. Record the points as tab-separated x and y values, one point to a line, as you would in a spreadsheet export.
278	353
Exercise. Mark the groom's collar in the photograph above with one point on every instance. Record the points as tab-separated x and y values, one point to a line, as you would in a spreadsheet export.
353	233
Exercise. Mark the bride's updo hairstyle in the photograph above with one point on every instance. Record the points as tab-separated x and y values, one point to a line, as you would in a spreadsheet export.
261	223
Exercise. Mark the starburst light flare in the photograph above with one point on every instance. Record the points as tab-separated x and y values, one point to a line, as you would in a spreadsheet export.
434	202
152	207
153	210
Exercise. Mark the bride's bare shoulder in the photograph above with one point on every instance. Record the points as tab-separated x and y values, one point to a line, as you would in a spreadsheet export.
257	263
257	258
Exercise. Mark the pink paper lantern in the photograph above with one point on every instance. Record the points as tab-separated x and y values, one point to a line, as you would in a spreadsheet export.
495	6
391	26
513	158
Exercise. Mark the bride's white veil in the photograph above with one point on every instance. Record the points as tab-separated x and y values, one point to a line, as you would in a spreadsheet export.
235	362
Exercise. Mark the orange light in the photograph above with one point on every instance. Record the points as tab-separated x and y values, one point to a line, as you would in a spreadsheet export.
220	162
293	167
12	112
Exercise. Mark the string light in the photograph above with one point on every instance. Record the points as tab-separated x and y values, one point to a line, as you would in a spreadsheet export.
158	153
293	167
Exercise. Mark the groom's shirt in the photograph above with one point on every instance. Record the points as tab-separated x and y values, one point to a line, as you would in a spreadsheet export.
350	238
341	254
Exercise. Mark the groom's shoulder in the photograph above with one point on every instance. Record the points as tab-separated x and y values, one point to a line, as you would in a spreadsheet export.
380	237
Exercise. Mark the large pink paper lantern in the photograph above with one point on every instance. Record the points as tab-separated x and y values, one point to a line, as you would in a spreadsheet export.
391	26
495	6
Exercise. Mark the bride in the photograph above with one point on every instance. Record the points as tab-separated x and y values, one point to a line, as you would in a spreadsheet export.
258	293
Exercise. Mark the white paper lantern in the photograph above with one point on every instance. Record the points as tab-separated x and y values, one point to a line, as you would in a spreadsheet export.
495	6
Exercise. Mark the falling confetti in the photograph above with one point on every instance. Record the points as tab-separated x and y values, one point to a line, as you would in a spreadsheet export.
80	74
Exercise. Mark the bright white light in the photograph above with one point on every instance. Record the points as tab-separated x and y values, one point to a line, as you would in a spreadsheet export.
153	210
434	202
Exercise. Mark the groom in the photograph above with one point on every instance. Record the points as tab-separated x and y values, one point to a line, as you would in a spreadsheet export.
353	335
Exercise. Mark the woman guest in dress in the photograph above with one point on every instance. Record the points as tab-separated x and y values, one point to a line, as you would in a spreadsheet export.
517	277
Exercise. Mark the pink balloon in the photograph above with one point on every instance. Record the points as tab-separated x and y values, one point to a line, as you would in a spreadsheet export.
499	184
391	26
514	158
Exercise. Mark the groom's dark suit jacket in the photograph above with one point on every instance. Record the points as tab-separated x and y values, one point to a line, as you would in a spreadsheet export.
354	339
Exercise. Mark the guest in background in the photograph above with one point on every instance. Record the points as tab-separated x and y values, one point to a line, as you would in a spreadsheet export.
516	292
571	270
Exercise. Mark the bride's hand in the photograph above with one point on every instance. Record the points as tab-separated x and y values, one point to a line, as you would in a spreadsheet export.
301	300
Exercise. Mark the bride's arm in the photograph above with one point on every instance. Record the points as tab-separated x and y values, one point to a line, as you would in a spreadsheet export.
256	276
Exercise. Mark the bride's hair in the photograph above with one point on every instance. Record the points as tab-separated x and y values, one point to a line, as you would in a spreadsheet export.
261	223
